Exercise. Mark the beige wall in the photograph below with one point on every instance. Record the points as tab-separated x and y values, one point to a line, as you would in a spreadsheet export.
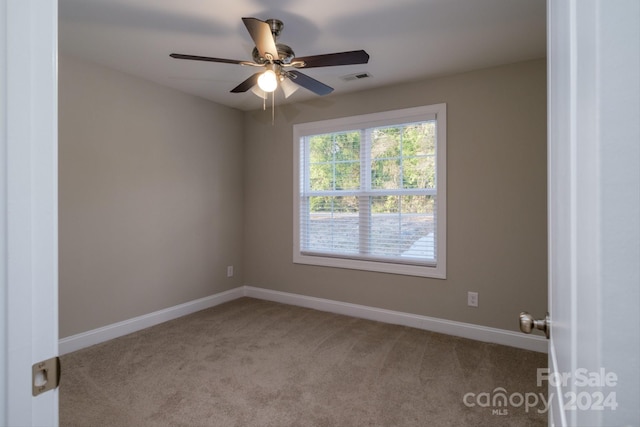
150	187
154	185
496	219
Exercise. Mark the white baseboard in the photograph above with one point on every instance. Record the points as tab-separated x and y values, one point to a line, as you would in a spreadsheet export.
449	327
115	330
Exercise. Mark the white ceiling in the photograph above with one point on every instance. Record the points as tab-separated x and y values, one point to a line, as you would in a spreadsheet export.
407	40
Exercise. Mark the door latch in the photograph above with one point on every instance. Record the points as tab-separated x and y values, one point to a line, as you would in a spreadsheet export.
45	375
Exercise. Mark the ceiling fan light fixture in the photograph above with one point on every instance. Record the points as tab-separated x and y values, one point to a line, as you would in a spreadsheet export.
259	92
288	87
268	81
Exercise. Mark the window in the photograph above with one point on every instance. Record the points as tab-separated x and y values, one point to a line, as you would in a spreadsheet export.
370	194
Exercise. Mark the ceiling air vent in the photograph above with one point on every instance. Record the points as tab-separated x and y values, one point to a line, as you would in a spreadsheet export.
356	76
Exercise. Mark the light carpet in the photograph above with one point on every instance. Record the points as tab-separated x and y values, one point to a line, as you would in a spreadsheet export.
250	362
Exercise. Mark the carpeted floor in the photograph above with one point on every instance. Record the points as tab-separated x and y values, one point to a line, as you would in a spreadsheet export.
258	363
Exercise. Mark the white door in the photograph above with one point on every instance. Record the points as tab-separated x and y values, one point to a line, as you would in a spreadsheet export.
28	207
594	211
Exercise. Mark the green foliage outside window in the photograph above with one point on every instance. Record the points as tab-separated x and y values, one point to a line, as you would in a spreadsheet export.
401	157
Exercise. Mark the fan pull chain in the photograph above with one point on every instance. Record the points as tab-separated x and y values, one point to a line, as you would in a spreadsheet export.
264	102
273	107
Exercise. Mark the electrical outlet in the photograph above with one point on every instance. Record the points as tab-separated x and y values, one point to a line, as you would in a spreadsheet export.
230	271
472	299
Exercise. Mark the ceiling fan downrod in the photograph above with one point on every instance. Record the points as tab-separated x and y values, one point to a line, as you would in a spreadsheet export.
276	26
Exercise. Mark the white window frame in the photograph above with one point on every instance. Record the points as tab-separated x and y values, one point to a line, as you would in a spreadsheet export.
387	118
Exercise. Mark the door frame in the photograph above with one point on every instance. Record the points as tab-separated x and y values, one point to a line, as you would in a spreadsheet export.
28	206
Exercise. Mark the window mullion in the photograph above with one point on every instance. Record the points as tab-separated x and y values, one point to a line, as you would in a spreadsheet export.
364	201
401	182
333	161
333	187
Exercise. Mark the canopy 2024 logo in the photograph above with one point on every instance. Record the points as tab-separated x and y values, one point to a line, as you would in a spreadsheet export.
589	391
591	388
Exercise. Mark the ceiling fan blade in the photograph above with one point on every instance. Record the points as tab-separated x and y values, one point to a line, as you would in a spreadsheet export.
260	32
331	59
310	83
247	84
205	58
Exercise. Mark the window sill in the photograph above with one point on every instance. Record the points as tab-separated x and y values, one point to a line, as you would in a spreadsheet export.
434	272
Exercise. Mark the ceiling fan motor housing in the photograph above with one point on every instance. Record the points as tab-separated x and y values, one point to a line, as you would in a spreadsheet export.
285	55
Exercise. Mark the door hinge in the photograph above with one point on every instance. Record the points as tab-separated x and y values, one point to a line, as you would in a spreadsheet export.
45	375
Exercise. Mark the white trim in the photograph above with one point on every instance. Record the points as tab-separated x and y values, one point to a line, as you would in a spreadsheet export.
384	118
28	222
557	415
449	327
115	330
4	213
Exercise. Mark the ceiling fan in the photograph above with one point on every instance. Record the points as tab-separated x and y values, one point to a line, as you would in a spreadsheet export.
279	61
